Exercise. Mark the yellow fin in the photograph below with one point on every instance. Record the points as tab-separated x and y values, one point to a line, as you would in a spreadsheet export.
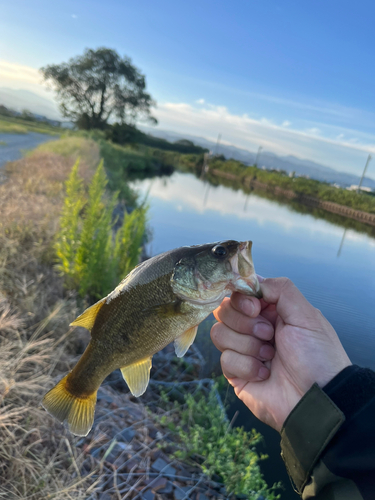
78	413
184	341
137	376
88	317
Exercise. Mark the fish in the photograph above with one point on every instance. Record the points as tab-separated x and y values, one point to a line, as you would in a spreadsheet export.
162	300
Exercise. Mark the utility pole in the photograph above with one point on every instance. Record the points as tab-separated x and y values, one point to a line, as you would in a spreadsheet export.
205	167
364	173
258	156
217	144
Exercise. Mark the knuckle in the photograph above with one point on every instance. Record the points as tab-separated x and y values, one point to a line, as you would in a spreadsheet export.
286	283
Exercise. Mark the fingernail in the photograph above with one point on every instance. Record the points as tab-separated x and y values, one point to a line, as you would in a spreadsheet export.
247	306
263	331
260	278
263	373
266	351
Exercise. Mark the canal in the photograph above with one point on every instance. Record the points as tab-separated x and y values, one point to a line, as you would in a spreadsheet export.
335	274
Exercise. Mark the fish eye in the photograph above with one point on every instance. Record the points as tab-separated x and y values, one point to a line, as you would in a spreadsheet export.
219	251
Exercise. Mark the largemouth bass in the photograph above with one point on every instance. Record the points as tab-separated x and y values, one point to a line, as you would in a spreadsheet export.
162	300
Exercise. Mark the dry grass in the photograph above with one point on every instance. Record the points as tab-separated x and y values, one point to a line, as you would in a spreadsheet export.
37	458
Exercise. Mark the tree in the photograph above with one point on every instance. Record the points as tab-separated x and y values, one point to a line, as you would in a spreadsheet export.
97	86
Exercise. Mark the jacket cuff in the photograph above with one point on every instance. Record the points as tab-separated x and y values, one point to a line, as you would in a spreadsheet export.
357	382
306	432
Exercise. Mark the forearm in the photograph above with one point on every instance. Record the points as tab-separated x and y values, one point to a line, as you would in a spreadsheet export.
328	440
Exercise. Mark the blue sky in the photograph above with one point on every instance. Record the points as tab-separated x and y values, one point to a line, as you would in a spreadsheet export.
294	77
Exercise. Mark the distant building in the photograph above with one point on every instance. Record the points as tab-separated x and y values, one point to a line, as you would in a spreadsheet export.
354	187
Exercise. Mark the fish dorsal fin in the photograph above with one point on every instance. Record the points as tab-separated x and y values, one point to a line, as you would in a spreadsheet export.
88	317
137	376
184	341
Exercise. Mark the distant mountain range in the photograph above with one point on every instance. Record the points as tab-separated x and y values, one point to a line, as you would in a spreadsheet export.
270	160
20	99
25	99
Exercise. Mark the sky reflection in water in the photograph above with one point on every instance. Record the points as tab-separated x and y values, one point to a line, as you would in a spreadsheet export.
186	211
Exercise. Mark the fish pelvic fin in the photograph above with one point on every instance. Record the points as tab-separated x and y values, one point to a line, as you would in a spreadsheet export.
184	341
88	317
77	412
137	376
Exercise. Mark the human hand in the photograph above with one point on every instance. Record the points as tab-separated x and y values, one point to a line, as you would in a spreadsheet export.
275	349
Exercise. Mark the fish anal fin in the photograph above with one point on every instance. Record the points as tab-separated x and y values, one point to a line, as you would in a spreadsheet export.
88	317
137	376
184	341
77	412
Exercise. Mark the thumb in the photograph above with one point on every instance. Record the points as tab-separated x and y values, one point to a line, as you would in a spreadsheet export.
291	305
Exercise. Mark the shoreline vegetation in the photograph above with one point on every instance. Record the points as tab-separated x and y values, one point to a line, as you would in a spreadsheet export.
173	442
291	190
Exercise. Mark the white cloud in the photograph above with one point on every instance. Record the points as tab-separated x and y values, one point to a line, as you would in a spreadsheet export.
286	123
18	72
200	101
19	76
249	133
313	131
74	16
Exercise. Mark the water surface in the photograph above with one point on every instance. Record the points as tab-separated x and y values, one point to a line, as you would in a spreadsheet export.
187	211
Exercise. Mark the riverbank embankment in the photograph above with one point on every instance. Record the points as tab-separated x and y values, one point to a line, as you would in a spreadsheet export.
311	201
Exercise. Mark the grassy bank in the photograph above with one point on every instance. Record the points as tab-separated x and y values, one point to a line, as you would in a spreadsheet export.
39	459
11	125
299	185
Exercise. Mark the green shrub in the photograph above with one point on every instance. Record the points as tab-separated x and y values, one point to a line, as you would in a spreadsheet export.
208	440
128	243
90	257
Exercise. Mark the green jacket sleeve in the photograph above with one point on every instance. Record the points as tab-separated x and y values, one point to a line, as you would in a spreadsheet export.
328	440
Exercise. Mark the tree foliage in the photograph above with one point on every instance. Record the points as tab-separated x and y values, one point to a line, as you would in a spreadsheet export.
97	86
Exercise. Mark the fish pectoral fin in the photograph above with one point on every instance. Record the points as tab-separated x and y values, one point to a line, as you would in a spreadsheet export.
184	341
137	376
88	317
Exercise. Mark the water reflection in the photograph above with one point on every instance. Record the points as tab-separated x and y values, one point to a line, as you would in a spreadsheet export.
185	211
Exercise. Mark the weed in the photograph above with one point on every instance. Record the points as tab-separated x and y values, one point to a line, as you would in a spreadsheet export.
90	258
208	440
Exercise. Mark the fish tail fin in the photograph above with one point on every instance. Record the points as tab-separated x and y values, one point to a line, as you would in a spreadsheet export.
77	412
